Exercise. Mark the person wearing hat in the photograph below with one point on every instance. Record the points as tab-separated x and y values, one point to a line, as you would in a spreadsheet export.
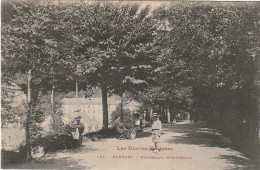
156	131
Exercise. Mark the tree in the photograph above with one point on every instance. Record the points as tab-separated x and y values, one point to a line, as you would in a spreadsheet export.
113	43
28	54
171	71
213	40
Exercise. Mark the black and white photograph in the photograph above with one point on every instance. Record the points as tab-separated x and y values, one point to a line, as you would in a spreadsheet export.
130	85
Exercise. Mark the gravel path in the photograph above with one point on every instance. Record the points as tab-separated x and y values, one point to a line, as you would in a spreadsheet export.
186	146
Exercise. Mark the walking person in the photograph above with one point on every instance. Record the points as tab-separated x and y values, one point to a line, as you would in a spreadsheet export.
156	131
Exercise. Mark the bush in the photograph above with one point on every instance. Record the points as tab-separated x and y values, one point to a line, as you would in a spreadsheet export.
128	119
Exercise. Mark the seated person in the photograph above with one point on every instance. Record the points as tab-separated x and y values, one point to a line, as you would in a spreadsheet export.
125	132
120	125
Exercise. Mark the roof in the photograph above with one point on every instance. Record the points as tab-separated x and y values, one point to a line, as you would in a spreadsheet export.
88	101
132	104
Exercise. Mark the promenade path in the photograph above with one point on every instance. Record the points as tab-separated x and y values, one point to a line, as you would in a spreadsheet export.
193	147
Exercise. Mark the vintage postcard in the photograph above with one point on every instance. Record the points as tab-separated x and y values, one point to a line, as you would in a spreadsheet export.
124	85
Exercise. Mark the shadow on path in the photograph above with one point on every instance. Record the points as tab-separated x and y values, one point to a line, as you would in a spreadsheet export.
200	138
143	134
200	134
52	163
196	134
239	162
57	160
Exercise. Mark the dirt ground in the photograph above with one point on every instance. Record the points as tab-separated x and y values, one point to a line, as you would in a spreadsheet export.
189	146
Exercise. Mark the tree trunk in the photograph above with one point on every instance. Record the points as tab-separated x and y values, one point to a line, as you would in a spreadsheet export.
105	106
160	110
77	89
164	112
52	98
151	115
171	113
168	114
52	106
121	105
144	116
27	124
254	127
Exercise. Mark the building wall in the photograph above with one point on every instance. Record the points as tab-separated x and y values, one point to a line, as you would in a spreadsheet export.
91	113
90	109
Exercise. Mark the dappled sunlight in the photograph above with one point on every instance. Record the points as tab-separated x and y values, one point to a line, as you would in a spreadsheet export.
183	122
12	137
236	161
144	134
114	67
196	135
190	146
180	134
208	130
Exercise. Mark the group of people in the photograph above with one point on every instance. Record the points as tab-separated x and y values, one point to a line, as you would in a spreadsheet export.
156	129
127	133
